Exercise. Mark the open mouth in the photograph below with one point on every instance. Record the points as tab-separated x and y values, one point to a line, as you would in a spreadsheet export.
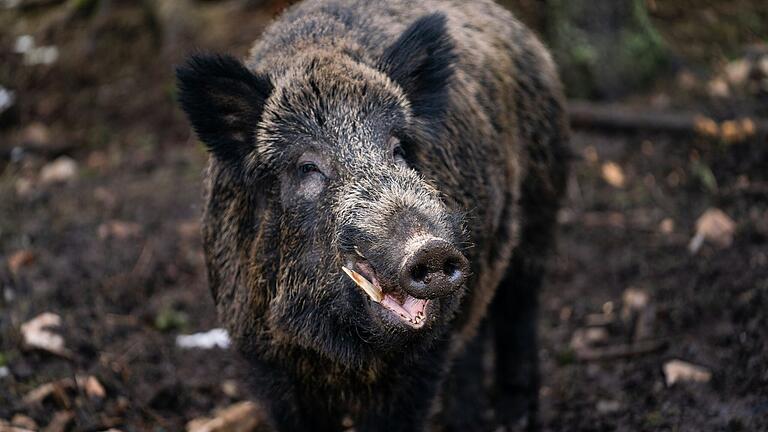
404	306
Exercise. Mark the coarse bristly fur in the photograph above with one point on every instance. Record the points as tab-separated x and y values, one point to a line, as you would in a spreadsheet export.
358	130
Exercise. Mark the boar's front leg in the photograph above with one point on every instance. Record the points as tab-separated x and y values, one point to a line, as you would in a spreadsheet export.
278	394
403	404
515	308
517	373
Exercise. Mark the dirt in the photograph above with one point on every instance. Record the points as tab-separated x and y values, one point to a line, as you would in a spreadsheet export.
115	250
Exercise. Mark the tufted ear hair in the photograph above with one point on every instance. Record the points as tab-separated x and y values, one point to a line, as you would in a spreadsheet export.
224	102
421	62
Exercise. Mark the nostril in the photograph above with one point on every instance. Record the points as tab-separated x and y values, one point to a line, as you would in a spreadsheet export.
419	273
451	267
435	269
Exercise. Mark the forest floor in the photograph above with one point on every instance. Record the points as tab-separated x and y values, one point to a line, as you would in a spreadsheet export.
100	199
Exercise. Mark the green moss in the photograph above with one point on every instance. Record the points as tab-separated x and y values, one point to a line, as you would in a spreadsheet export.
604	58
704	175
169	319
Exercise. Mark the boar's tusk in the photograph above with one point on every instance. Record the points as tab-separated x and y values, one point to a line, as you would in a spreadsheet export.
367	286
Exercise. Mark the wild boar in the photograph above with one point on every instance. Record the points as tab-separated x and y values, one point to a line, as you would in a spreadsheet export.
381	198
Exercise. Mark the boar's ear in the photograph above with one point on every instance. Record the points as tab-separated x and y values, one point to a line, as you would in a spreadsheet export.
421	62
224	102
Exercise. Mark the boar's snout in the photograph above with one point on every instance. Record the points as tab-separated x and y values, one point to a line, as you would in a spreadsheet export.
434	269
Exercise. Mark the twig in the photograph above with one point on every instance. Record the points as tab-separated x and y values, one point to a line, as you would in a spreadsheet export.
620	351
621	117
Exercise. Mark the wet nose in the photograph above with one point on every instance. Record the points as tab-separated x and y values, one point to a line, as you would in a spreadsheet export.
435	269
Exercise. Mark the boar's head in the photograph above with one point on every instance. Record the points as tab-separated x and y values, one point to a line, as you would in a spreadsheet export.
370	254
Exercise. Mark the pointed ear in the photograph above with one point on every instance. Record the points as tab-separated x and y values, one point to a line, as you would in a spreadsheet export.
224	102
421	62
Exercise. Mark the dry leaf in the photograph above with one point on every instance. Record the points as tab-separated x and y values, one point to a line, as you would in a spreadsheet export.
240	417
36	135
60	422
613	174
92	387
732	131
37	335
229	388
61	170
706	126
678	371
667	226
24	187
20	259
713	226
120	230
718	88
58	389
590	154
607	406
9	427
22	421
737	71
585	338
633	299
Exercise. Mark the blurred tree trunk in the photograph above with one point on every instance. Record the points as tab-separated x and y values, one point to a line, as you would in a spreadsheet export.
604	48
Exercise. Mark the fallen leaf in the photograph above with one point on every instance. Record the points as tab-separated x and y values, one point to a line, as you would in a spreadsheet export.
718	88
118	229
737	71
240	417
585	338
20	259
92	387
667	226
633	300
24	187
55	389
590	154
613	174
22	421
58	389
607	406
60	422
9	427
679	371
61	170
713	226
706	126
230	388
36	135
36	334
732	131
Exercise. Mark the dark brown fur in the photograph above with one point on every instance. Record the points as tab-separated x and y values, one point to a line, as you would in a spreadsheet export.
487	169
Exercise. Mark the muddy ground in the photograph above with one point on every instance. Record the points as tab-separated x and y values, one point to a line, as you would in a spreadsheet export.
108	239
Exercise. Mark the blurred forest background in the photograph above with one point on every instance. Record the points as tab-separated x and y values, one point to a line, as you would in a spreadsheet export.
654	316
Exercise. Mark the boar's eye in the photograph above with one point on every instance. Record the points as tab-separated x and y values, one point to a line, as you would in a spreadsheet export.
306	179
398	153
307	168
